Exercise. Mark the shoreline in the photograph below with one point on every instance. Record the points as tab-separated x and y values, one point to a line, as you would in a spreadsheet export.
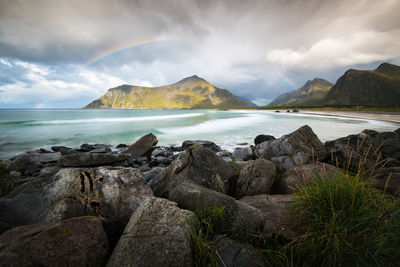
369	115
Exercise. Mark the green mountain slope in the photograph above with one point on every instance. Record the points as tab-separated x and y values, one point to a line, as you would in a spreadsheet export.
380	87
191	92
310	94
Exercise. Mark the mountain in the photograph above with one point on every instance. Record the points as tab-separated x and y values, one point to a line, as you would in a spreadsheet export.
191	92
380	87
310	94
248	102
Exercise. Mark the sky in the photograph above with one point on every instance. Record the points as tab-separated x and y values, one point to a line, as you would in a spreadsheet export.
65	54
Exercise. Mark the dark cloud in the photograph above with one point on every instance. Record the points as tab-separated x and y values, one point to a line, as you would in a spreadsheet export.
255	48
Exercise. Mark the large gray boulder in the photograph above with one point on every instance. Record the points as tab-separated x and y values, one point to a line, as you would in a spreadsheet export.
235	254
275	210
304	175
242	154
238	218
387	179
79	241
32	160
110	193
207	144
142	147
255	177
300	147
89	159
157	235
372	149
197	164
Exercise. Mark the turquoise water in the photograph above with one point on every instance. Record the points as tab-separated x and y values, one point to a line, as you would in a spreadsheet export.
22	130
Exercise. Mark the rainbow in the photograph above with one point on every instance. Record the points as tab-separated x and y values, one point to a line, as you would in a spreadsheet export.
282	76
39	105
118	48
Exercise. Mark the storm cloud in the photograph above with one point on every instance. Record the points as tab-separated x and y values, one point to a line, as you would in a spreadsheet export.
66	53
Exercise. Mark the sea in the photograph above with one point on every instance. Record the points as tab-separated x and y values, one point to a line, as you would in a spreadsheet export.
29	129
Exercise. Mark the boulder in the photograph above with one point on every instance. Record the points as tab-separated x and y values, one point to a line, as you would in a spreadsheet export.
64	150
262	138
206	144
300	147
224	153
142	147
275	210
32	161
157	234
96	148
390	149
387	179
256	177
238	218
197	164
151	174
303	175
110	193
348	152
162	151
243	154
235	254
88	159
79	241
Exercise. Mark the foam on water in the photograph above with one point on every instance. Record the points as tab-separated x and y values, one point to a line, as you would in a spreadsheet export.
112	120
22	130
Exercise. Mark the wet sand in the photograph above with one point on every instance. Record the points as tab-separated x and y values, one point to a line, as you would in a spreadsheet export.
374	115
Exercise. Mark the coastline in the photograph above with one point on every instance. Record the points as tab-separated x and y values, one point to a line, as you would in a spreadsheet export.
371	115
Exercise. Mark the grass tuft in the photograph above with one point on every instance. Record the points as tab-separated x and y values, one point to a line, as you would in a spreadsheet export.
204	235
345	222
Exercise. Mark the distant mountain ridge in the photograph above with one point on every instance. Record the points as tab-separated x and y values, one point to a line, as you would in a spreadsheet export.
189	93
379	87
311	93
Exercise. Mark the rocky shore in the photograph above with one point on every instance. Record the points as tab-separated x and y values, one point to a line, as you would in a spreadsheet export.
98	205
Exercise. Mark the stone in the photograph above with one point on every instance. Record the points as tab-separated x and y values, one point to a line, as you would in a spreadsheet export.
102	149
151	174
15	174
242	154
163	160
235	254
142	147
79	241
304	175
238	218
121	146
144	168
256	177
156	235
197	164
162	151
111	193
295	110
88	159
49	171
224	153
390	149
300	147
276	214
262	138
387	179
347	152
64	150
32	161
206	144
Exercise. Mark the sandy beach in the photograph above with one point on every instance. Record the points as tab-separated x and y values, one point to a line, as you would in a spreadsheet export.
378	115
